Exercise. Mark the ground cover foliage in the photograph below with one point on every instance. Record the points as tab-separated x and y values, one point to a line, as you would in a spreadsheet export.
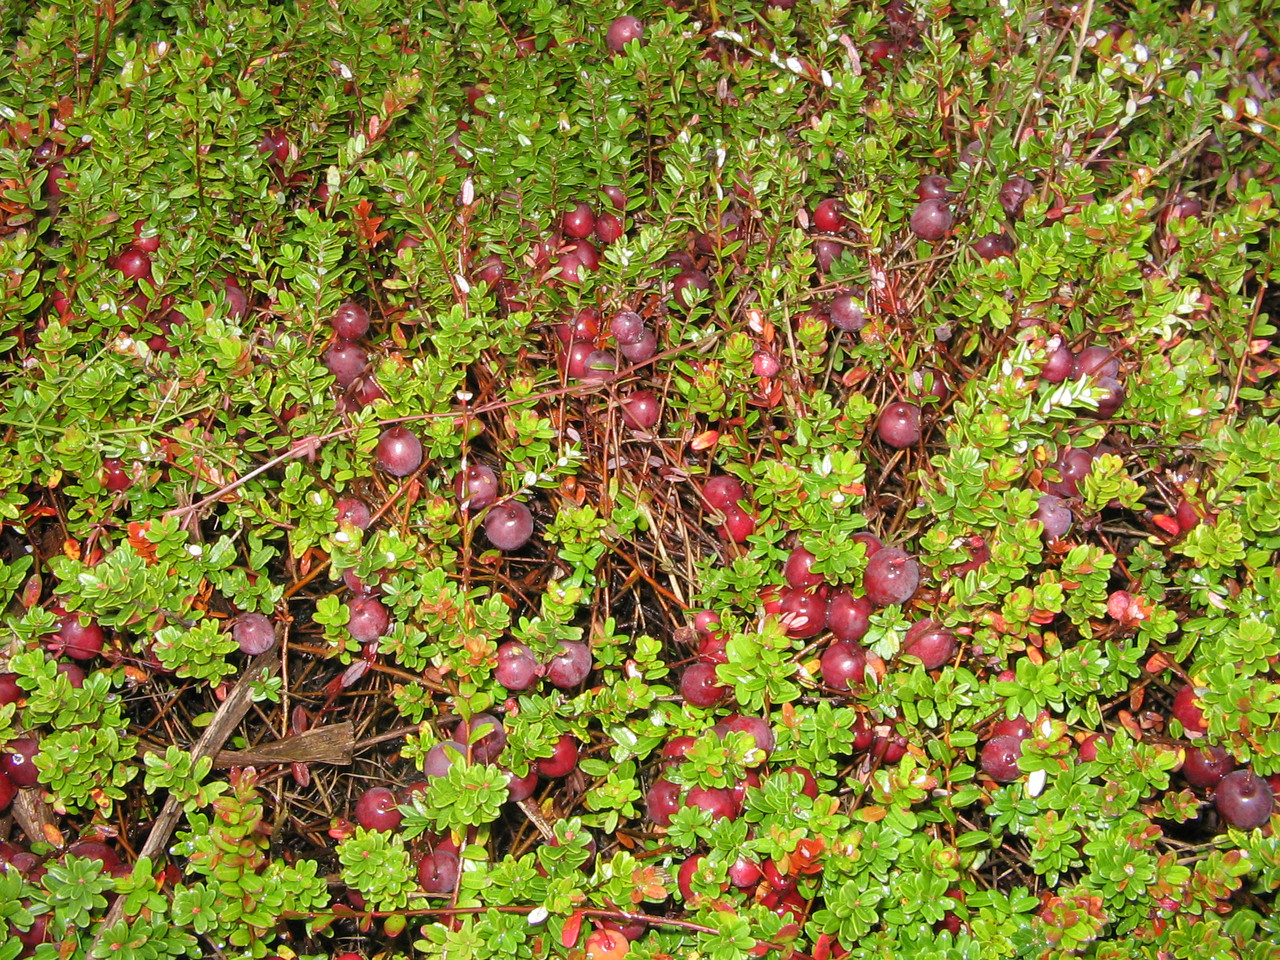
497	480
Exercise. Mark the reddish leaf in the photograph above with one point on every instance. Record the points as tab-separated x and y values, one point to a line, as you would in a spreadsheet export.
572	927
354	672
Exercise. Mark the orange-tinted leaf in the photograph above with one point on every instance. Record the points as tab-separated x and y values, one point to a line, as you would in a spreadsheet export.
706	440
572	927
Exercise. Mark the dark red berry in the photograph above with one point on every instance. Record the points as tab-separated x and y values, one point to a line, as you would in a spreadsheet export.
1186	709
899	425
1059	362
476	487
354	512
18	762
609	228
377	810
891	577
346	361
368	619
508	526
931	220
562	761
848	312
700	686
399	451
622	31
992	246
254	634
1205	766
1244	800
1013	194
929	642
1000	759
848	617
438	872
843	665
933	187
351	321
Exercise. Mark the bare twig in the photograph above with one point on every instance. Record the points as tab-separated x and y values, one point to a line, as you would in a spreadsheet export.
224	722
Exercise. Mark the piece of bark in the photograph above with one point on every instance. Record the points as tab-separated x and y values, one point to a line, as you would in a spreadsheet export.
34	816
331	743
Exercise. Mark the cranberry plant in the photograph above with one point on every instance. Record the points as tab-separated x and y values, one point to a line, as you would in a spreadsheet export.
730	480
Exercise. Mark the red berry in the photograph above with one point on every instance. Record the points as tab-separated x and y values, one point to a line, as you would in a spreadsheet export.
891	577
438	872
700	686
376	810
254	634
1014	194
18	762
1205	766
609	228
368	619
516	668
738	524
508	526
848	312
351	321
399	451
899	425
929	642
933	187
641	410
1244	800
355	512
798	570
622	31
1187	710
992	246
1000	759
77	638
931	220
134	264
568	668
688	280
803	613
145	238
717	801
848	617
662	801
579	222
476	487
562	761
346	361
828	218
10	692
